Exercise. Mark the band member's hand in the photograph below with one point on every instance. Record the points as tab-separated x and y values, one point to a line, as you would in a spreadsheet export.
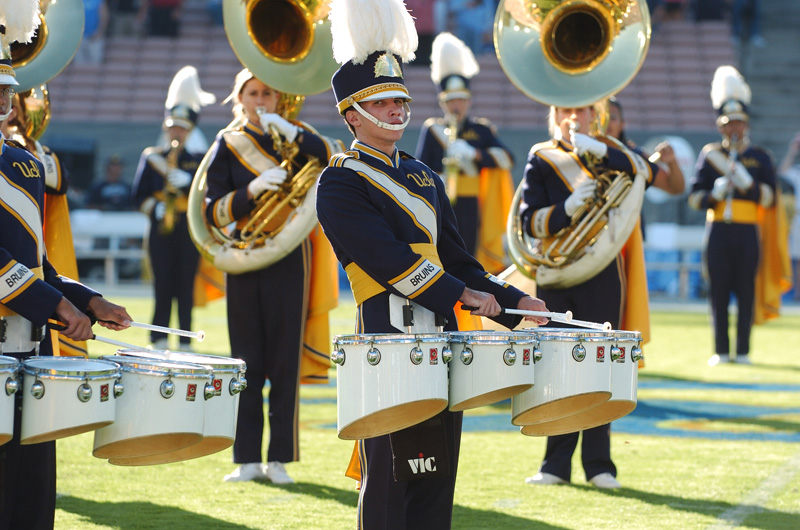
667	153
720	189
484	303
576	199
741	178
109	315
269	180
287	129
78	325
461	151
179	178
586	144
529	303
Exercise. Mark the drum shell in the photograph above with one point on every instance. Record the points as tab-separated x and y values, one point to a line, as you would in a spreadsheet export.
488	378
9	371
624	383
147	423
220	411
373	400
564	385
59	412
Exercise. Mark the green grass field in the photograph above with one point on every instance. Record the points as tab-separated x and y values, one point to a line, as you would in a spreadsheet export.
669	482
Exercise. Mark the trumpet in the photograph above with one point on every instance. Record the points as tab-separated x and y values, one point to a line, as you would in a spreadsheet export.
167	224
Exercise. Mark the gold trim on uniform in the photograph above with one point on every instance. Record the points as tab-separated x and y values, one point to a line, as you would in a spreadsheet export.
371	91
743	212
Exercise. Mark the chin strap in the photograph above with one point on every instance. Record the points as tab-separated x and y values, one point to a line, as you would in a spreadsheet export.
381	124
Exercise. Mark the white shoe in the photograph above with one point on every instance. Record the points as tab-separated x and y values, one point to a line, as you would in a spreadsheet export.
743	358
544	479
605	481
719	358
246	472
276	473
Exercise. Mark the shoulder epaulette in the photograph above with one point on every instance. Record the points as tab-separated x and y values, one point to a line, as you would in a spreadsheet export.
548	144
433	121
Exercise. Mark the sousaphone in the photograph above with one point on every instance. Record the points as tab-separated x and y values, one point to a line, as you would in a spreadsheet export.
573	54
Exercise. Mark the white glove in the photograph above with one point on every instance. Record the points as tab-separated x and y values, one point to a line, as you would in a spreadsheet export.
269	180
586	144
461	151
720	189
159	210
741	177
179	178
579	196
287	130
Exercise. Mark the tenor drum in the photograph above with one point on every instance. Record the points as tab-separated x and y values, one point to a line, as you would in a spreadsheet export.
488	367
220	411
9	368
624	356
387	382
162	408
573	375
65	396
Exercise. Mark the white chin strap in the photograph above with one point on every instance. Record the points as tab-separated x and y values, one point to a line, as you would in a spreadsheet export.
382	124
4	117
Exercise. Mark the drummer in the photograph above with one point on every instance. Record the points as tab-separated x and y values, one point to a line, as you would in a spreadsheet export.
392	228
32	292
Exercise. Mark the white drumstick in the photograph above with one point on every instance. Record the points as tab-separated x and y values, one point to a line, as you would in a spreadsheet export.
561	317
198	335
117	343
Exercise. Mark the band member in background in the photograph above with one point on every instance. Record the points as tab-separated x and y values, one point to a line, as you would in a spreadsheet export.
558	180
268	307
31	293
160	190
467	153
747	234
393	230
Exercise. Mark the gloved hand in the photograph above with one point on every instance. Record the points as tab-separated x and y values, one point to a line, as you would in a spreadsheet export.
586	144
741	178
269	180
579	196
159	210
288	130
461	151
179	178
720	189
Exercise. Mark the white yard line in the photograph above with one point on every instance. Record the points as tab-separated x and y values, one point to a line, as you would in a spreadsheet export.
761	495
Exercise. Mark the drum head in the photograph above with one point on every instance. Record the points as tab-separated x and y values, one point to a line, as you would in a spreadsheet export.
207	446
392	419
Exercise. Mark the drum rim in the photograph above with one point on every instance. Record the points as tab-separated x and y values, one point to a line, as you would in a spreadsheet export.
503	337
57	373
150	366
390	338
580	334
235	366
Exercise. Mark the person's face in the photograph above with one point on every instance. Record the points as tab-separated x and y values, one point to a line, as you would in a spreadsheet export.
457	107
615	122
391	110
176	133
256	94
582	117
113	171
6	98
734	129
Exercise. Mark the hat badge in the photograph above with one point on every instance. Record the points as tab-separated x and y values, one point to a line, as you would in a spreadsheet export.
455	83
387	66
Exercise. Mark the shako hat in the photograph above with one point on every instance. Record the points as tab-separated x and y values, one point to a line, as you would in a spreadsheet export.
18	22
452	66
185	98
730	95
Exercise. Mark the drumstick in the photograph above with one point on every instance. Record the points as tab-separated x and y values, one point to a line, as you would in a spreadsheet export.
557	317
198	335
117	343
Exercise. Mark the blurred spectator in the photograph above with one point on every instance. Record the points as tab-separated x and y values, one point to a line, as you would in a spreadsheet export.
423	13
472	22
111	194
93	45
125	20
790	171
747	13
163	17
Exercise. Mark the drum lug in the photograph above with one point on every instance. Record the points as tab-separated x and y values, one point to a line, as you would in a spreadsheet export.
537	354
237	385
447	354
467	356
119	388
579	352
509	357
338	357
416	355
84	392
636	354
12	385
373	356
616	354
37	389
208	391
167	388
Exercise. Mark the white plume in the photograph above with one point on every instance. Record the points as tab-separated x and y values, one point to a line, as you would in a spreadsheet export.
360	27
21	18
728	84
185	89
450	56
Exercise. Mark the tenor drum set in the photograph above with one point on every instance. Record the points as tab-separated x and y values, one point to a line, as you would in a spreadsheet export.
559	380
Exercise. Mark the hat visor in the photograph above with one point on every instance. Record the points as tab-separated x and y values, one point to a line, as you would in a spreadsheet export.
447	95
6	79
178	122
733	116
388	94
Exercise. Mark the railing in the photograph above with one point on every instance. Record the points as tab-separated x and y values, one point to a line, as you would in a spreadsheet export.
675	249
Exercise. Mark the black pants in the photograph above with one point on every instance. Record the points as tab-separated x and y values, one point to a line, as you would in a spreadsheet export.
174	259
599	299
733	254
266	316
468	218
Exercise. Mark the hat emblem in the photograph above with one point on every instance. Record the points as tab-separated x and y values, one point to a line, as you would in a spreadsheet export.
455	83
733	106
387	66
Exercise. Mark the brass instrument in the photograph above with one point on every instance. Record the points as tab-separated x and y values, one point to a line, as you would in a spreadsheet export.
572	54
733	150
451	167
167	224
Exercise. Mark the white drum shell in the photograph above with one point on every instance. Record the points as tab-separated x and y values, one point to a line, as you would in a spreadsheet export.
394	393
59	412
563	385
221	410
9	367
488	378
148	423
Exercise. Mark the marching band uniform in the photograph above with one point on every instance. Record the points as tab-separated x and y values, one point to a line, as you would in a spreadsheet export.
162	181
735	183
267	307
552	175
391	225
